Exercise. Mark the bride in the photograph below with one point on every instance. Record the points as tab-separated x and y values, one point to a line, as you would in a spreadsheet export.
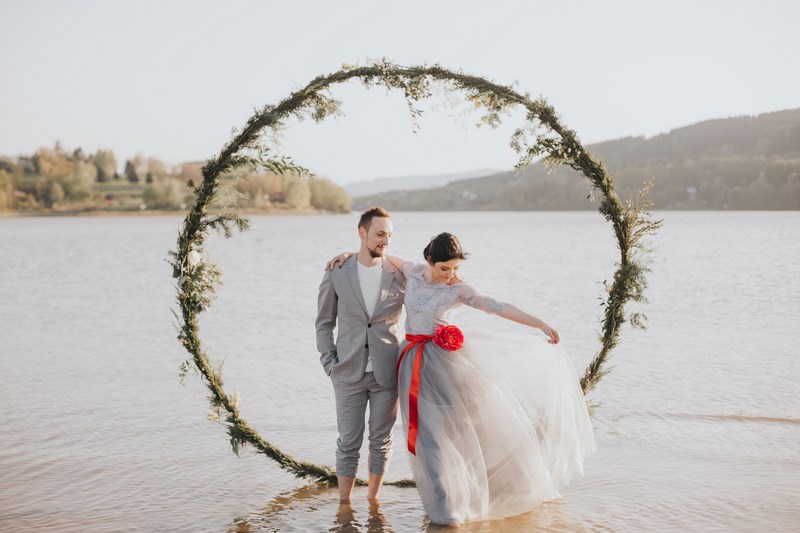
475	451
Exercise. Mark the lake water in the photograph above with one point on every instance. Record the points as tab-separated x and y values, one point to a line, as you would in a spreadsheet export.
698	425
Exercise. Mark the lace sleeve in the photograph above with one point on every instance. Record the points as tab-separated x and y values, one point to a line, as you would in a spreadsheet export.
469	296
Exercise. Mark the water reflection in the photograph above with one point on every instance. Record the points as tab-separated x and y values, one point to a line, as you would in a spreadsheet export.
303	507
309	507
550	516
347	521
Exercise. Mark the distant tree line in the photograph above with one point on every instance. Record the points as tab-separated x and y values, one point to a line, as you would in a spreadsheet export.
737	163
57	179
264	190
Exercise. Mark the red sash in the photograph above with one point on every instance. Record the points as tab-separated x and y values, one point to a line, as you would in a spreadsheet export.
413	390
446	336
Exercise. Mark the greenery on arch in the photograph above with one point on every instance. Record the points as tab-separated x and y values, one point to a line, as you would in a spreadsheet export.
543	137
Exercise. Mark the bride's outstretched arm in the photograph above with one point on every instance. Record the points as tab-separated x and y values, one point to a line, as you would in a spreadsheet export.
473	298
515	314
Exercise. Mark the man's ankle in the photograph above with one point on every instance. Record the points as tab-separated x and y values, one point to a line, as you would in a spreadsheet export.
374	486
346	484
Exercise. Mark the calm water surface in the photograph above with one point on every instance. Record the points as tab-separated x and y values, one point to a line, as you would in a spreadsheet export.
698	425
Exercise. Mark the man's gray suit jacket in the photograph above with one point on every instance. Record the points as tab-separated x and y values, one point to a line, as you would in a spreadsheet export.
341	304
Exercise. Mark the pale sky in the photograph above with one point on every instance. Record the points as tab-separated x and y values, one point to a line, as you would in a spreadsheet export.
172	78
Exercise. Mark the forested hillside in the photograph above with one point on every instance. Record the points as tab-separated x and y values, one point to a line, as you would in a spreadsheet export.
734	163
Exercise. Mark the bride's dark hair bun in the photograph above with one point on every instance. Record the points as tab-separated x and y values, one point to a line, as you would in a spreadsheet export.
444	247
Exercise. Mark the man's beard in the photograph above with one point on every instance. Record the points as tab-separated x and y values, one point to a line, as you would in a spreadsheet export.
376	252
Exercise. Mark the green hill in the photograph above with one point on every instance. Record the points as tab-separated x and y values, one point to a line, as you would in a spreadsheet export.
733	163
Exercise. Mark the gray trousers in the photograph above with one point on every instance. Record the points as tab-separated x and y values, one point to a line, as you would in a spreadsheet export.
351	406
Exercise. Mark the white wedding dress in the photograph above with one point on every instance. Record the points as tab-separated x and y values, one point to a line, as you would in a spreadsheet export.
479	453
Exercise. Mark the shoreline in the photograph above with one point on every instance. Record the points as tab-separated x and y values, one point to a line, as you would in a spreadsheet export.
249	211
157	212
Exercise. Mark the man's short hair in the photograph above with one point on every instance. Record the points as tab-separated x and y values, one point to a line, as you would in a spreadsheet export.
369	214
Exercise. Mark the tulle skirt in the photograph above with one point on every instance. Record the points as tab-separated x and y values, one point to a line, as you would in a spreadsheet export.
481	453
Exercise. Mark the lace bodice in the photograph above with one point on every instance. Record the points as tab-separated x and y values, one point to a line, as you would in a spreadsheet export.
429	304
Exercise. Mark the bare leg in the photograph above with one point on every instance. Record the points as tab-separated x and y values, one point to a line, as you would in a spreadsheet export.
346	484
375	483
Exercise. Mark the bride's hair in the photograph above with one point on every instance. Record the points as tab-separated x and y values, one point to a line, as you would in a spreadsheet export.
444	247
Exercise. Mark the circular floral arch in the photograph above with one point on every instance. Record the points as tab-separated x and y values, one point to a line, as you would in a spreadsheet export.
543	136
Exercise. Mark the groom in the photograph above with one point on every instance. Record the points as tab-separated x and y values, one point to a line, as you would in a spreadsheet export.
365	297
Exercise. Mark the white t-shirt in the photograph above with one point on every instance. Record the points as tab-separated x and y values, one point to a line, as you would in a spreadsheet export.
370	280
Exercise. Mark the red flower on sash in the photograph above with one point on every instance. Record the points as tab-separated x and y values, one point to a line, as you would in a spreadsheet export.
448	337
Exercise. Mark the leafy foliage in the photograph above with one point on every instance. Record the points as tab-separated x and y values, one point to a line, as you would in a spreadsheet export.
544	136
